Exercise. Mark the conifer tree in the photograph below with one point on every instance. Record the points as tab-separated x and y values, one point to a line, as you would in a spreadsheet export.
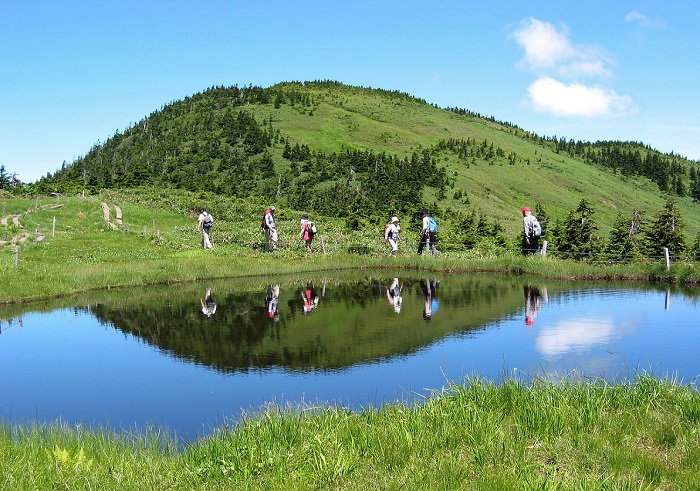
666	231
4	178
578	237
624	243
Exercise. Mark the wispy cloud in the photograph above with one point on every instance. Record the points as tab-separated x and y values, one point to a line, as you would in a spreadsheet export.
565	72
637	18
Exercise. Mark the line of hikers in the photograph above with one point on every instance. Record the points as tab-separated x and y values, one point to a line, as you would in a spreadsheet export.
532	231
309	230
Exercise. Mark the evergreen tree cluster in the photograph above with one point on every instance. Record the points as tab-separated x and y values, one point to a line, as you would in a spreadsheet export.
631	238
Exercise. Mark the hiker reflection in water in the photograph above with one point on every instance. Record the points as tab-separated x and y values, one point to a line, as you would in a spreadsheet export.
208	304
533	302
310	297
393	295
272	301
431	304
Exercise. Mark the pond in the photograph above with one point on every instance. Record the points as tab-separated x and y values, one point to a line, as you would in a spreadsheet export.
191	358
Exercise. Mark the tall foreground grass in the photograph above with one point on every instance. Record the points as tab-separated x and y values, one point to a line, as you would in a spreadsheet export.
641	434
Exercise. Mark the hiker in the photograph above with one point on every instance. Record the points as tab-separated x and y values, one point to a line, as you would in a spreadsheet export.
391	235
393	295
310	297
204	224
208	304
430	298
533	302
272	301
308	230
531	237
427	233
270	229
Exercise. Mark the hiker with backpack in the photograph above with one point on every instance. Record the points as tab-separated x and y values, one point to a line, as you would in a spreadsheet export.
531	232
270	229
428	233
204	225
308	231
391	235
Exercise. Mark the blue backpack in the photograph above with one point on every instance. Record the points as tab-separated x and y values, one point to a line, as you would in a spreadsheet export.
432	225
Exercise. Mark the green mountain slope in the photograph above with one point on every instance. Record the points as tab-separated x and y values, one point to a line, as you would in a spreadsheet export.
343	151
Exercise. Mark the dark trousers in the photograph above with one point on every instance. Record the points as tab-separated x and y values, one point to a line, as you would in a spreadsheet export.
428	239
532	247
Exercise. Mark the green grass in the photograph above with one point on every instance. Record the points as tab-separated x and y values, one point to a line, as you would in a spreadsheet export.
639	434
81	252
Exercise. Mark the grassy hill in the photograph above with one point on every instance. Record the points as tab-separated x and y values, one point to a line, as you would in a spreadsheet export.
236	143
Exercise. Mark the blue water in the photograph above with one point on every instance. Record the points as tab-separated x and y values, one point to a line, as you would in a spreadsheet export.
68	365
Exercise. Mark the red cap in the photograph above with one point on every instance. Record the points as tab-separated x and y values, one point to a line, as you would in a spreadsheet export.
527	208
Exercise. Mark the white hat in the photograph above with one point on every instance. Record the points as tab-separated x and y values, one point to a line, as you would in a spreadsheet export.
272	207
394	219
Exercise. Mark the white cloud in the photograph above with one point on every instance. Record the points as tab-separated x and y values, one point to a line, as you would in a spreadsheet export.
575	99
637	18
544	46
553	57
575	335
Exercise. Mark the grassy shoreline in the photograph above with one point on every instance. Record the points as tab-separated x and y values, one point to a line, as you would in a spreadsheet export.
81	251
35	281
637	434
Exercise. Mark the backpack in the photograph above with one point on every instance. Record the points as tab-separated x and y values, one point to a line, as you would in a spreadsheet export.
386	227
263	225
208	221
536	227
312	228
432	225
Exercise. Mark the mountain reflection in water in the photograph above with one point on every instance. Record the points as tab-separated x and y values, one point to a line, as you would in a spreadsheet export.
190	357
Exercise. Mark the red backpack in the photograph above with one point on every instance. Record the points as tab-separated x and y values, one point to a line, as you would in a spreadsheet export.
263	225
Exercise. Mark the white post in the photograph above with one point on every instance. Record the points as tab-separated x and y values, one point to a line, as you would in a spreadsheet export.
323	245
16	256
668	258
53	227
544	248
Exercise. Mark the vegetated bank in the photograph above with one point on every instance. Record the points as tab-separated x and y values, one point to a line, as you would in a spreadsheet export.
569	434
80	250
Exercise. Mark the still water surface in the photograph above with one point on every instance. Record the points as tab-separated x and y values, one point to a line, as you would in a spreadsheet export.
173	358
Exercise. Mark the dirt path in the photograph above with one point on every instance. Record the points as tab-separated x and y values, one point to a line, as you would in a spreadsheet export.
117	215
14	218
105	213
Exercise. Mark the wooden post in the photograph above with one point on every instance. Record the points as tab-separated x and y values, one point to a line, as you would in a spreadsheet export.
323	245
16	256
668	259
544	248
154	224
53	227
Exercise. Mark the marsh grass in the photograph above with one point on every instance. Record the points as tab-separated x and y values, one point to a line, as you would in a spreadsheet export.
583	434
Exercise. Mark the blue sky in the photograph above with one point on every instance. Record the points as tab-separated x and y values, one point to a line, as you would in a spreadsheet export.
72	73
